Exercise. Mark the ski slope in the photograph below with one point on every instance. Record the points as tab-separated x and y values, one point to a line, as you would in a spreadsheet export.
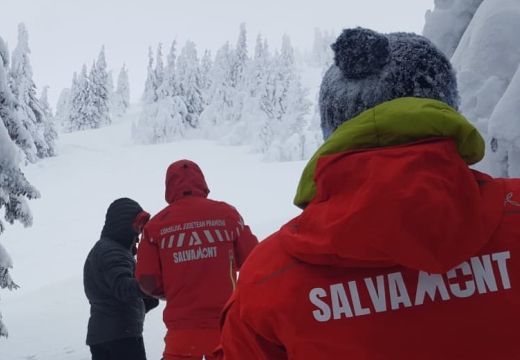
47	317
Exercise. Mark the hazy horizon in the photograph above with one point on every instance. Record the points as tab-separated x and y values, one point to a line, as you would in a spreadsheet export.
65	34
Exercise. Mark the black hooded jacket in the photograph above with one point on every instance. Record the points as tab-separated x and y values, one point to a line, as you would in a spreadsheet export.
117	308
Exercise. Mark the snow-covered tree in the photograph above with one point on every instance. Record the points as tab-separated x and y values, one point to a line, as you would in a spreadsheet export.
80	116
159	67
44	101
285	105
14	187
170	86
164	115
99	95
189	80
248	130
484	71
240	58
448	21
29	108
218	114
162	122
89	97
236	99
12	119
206	64
322	55
486	57
504	129
121	98
63	108
259	67
50	132
111	94
150	87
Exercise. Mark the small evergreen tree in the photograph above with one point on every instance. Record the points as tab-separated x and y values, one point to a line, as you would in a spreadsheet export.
159	67
121	100
150	87
14	187
189	78
49	131
240	58
170	86
28	106
63	108
164	116
218	113
206	64
99	96
81	106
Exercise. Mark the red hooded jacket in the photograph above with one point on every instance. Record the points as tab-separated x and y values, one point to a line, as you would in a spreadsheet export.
191	250
404	253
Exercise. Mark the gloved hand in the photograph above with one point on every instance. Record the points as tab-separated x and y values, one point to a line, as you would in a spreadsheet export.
150	303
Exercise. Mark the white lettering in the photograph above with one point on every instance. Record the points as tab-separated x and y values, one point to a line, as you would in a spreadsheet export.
378	296
429	284
483	273
398	293
323	314
192	254
356	301
501	259
340	304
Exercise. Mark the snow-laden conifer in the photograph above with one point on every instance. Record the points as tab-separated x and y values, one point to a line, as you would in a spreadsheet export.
121	97
29	109
14	187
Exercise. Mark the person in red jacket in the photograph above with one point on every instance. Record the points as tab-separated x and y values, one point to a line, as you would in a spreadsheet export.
189	255
402	251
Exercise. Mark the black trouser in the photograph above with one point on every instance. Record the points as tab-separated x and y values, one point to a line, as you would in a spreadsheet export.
122	349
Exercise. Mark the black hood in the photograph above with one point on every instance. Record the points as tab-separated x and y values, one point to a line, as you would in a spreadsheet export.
119	219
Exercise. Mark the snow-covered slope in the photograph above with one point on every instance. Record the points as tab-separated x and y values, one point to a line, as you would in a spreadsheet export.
47	317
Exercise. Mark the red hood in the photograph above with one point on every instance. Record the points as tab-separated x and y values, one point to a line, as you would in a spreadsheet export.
417	205
184	178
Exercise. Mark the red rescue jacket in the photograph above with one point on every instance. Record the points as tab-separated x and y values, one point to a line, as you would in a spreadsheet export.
404	253
191	250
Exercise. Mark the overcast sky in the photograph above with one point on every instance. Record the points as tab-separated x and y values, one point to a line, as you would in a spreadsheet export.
64	34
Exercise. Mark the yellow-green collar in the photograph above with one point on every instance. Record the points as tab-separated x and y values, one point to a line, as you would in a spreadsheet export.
395	122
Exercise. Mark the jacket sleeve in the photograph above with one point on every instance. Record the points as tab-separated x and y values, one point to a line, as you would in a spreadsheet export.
239	341
117	270
245	242
148	270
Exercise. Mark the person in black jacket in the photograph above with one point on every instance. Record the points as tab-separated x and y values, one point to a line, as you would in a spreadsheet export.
117	304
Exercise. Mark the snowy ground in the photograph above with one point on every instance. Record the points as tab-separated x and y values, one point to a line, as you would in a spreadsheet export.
47	317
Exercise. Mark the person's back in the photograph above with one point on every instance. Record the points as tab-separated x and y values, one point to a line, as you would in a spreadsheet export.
196	238
189	255
402	251
111	315
306	300
117	305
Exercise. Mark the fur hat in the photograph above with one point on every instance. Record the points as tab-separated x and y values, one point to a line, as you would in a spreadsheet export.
371	68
